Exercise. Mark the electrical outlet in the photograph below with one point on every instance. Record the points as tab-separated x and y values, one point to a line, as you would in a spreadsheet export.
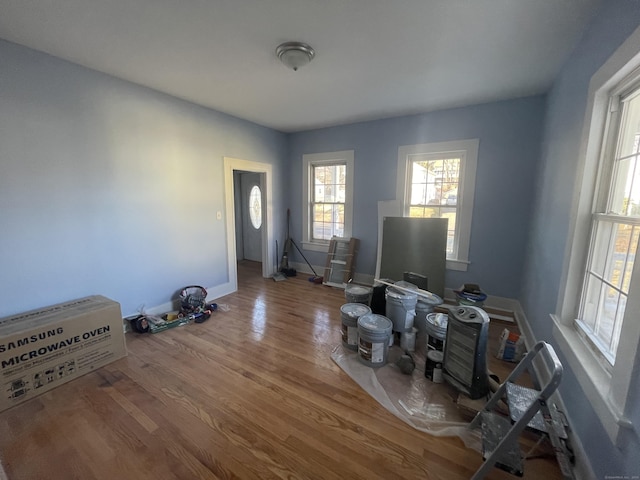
219	215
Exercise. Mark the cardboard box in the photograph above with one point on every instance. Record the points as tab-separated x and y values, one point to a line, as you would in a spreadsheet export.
42	349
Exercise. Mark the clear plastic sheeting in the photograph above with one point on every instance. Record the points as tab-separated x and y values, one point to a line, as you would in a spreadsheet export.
426	406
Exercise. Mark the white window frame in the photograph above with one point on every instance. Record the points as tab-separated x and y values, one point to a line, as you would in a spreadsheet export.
607	388
310	160
468	151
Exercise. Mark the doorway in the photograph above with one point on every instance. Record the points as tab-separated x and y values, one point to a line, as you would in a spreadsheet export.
258	174
248	201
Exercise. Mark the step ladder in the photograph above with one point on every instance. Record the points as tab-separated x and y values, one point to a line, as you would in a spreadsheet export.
528	408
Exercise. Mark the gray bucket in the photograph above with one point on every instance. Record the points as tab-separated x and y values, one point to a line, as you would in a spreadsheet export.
373	339
436	331
358	294
401	306
350	313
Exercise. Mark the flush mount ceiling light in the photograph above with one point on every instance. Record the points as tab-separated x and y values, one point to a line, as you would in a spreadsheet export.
295	54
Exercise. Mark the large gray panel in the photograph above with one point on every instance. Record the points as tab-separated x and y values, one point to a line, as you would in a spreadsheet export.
416	245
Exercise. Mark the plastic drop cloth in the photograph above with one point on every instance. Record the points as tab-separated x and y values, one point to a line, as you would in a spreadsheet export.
426	406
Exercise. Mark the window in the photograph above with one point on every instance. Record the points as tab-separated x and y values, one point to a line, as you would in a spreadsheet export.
328	198
437	180
255	207
615	228
596	324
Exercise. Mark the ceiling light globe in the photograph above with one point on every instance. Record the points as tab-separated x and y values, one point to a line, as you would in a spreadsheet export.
295	54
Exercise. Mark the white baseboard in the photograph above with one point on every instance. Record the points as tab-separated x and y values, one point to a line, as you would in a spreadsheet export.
213	293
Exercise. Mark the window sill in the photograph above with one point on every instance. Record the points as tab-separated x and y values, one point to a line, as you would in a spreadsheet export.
458	265
316	247
594	380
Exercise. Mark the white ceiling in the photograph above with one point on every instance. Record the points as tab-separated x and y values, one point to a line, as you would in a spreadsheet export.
374	58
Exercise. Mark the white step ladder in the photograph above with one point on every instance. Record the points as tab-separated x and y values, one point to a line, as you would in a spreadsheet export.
528	407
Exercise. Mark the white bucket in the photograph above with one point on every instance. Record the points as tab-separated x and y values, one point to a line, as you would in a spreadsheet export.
373	339
358	294
424	307
436	330
408	340
350	313
401	306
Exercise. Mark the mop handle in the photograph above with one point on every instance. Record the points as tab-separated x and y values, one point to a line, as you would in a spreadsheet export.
419	291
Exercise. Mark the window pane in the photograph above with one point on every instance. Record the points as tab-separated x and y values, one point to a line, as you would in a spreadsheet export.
607	284
424	212
625	188
590	302
607	315
633	248
328	202
255	207
434	191
328	221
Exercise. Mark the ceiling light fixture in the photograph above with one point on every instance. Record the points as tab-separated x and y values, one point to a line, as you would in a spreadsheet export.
295	54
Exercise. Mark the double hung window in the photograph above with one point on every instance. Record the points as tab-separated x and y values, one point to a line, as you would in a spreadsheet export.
597	324
437	180
615	229
327	198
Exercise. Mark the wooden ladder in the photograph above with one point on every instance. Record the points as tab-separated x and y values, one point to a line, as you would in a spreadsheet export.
340	261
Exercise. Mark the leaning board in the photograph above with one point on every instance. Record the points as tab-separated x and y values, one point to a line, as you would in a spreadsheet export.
416	245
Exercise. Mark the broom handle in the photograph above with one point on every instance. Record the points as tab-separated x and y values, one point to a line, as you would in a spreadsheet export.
419	291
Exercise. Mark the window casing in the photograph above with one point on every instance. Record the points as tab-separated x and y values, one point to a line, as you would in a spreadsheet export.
327	198
438	180
597	323
615	229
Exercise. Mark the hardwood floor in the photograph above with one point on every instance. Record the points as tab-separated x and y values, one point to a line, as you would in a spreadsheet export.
251	393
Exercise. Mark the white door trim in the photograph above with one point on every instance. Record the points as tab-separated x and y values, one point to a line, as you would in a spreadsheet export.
231	164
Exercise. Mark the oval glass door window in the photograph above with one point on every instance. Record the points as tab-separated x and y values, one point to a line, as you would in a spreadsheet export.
255	207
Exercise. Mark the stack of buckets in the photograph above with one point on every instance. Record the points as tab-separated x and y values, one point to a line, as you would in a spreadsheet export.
424	307
401	309
367	333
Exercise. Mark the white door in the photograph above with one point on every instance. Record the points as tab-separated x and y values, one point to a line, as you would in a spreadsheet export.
252	216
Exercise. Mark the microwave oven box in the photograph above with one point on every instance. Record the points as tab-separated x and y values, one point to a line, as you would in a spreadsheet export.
45	348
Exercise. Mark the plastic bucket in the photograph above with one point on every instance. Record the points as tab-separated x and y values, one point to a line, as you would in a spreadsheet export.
408	340
350	313
424	307
436	327
433	366
401	306
373	339
358	294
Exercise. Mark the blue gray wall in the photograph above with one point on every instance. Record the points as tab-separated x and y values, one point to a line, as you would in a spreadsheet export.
509	133
110	188
550	221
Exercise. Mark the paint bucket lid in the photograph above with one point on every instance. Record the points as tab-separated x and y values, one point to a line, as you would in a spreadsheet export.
425	303
354	310
375	323
437	324
357	289
395	293
435	356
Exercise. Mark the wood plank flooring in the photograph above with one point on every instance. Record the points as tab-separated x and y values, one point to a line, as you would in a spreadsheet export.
250	394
